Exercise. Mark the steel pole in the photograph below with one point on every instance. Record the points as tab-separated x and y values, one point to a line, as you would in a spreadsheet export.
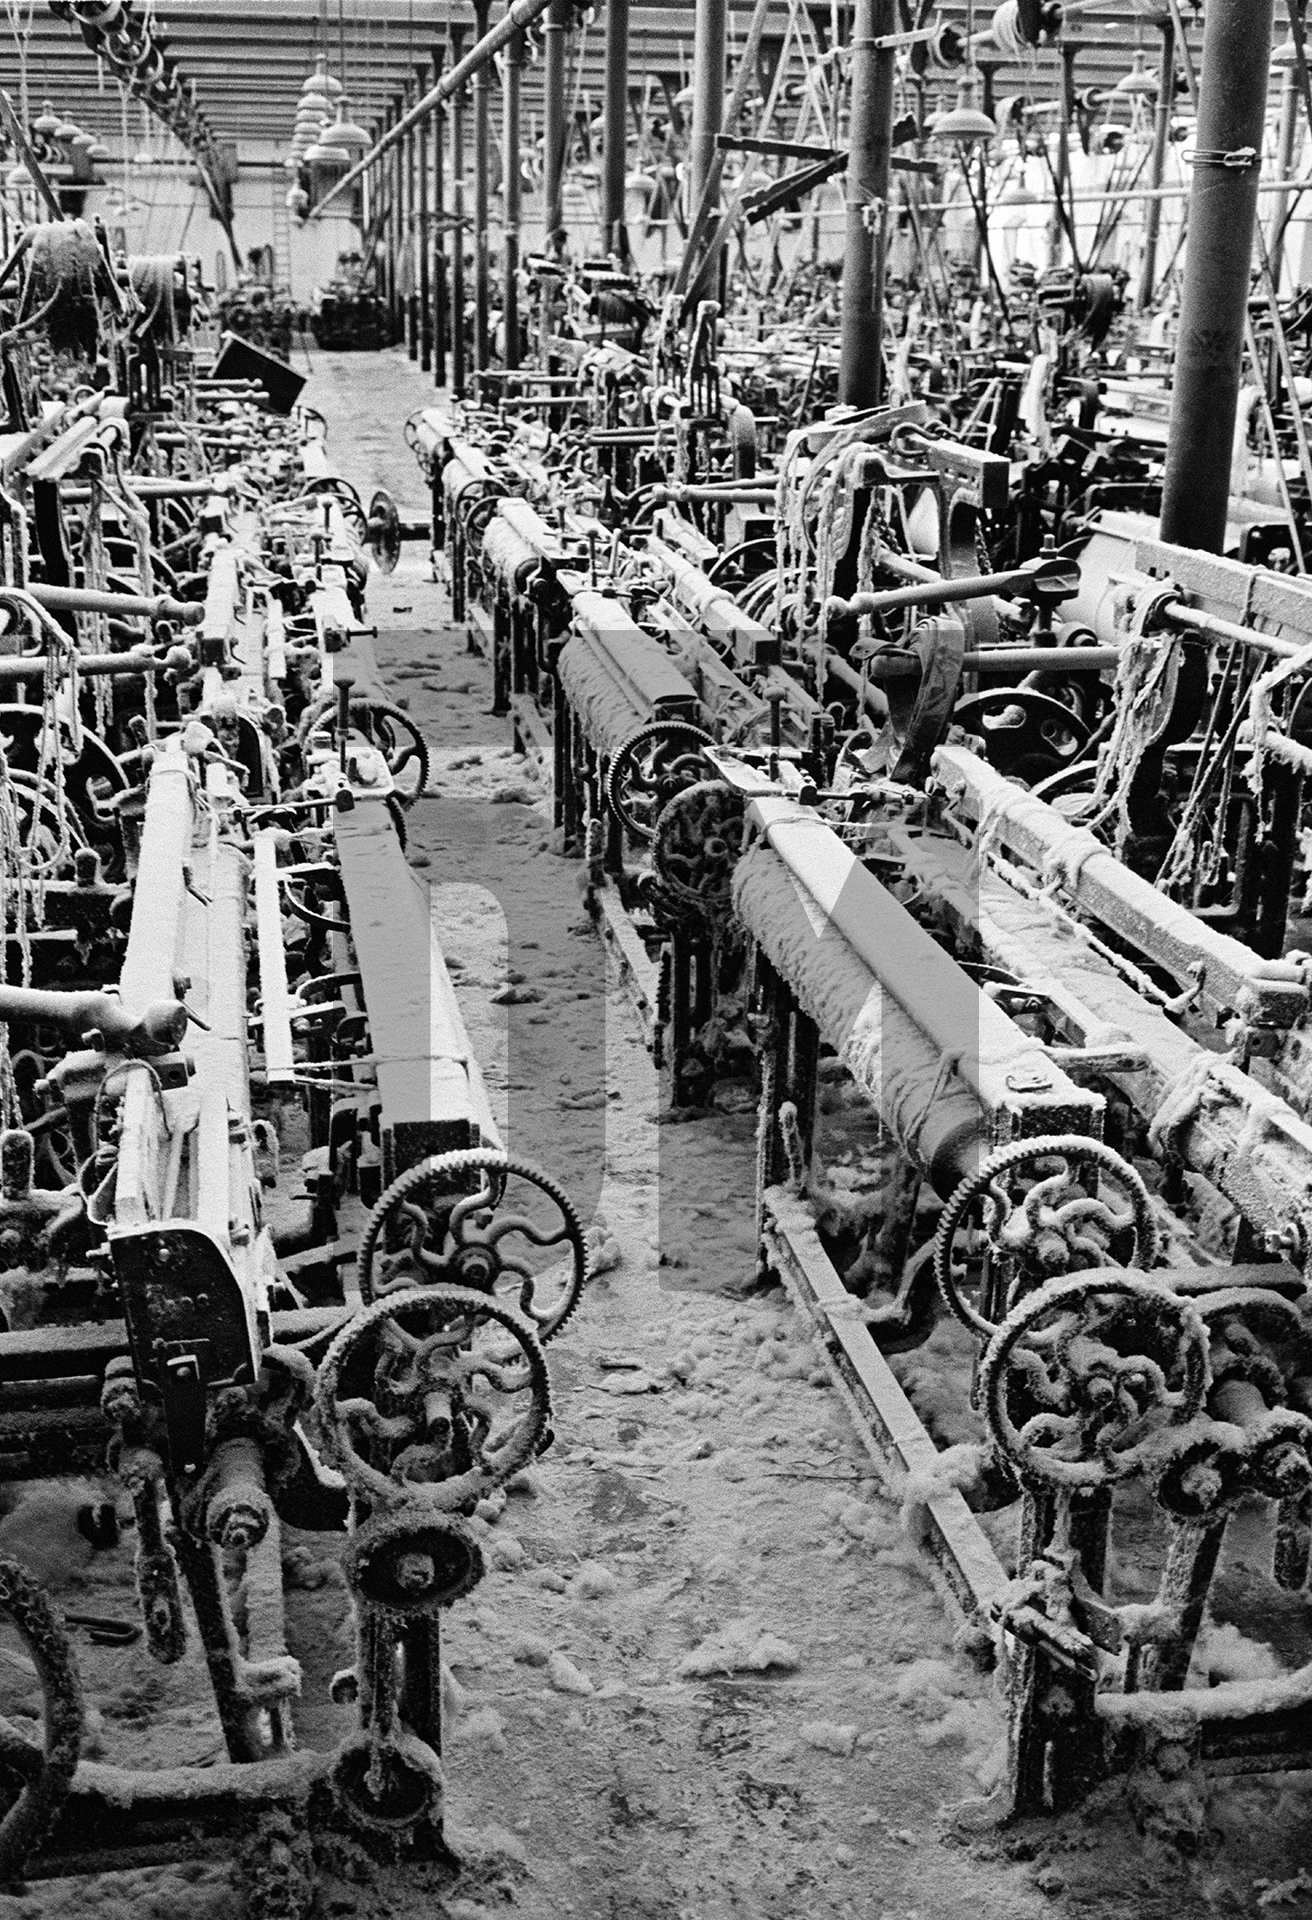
411	240
458	223
482	151
425	238
388	236
511	182
398	224
439	230
1284	167
615	126
707	94
1161	140
1222	216
861	365
553	126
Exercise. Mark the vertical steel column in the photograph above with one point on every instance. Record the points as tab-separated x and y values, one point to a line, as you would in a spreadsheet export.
411	237
1284	163
425	233
511	181
439	232
397	188
1161	139
458	222
387	232
1222	212
553	126
482	147
861	366
1061	193
707	94
615	237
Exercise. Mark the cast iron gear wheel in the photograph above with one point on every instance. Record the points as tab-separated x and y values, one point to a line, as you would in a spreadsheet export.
669	740
415	747
1064	1147
412	1365
471	1258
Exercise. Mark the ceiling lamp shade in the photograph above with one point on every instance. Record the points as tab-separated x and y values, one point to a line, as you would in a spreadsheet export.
18	177
314	103
964	123
99	151
66	132
1138	80
1019	197
345	133
47	120
327	157
1285	55
85	142
143	159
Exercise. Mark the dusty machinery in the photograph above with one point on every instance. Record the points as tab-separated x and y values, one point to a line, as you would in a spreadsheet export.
267	1268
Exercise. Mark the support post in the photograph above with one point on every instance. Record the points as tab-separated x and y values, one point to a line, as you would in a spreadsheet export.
616	112
511	181
425	237
458	226
861	366
383	183
409	156
396	171
707	94
482	166
1289	98
1152	226
439	228
553	127
1222	213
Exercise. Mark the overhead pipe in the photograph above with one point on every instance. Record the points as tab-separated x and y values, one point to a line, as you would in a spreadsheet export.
708	50
482	150
1161	141
1222	217
439	230
553	125
425	238
511	185
861	361
615	128
457	98
520	13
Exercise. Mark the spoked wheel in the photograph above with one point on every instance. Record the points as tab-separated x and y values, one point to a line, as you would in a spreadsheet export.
435	1395
698	840
347	499
653	765
479	1219
387	728
35	1776
1035	1210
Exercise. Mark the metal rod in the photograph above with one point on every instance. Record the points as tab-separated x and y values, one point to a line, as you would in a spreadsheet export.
1284	161
482	149
1222	214
457	98
439	231
520	13
615	122
425	252
553	126
861	369
511	185
1161	140
407	166
708	94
